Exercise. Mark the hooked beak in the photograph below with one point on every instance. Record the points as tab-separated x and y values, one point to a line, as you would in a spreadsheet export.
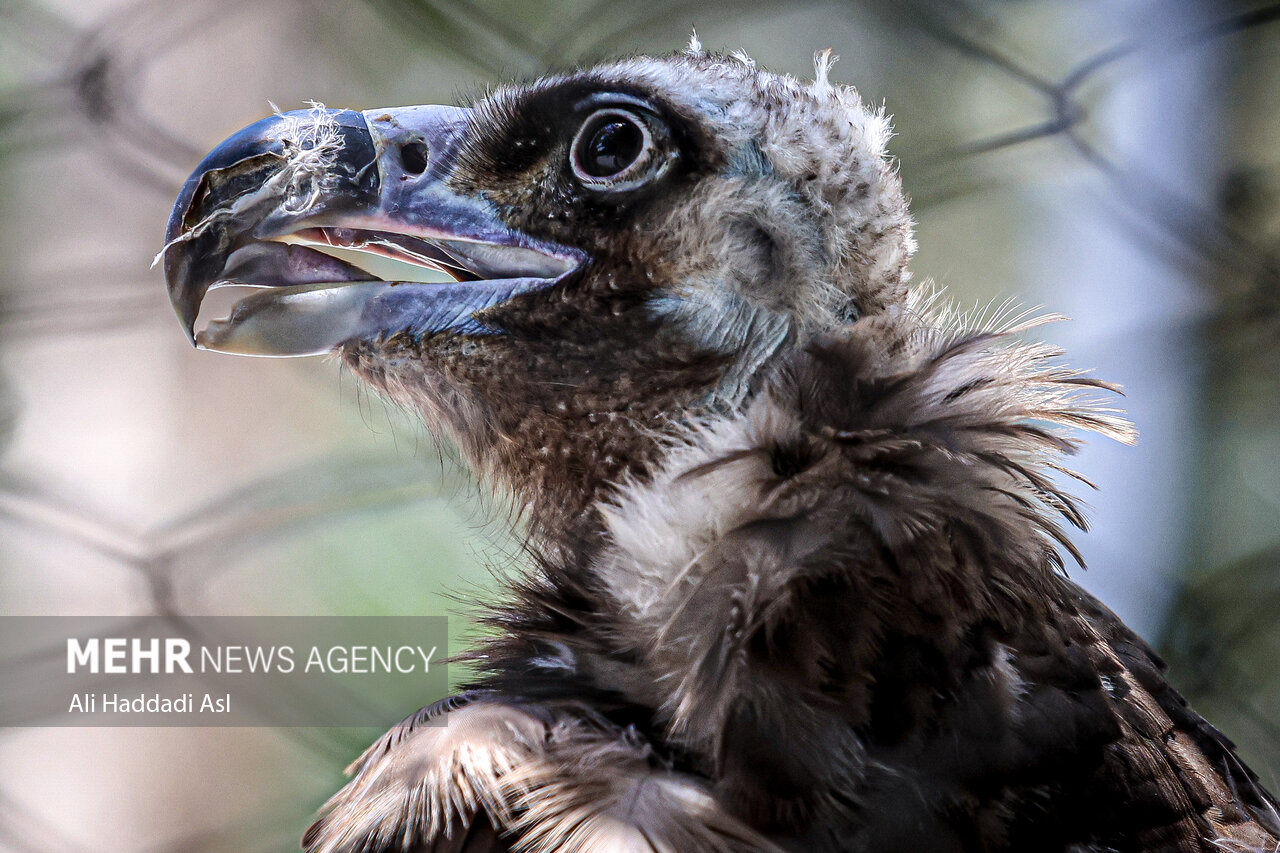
343	224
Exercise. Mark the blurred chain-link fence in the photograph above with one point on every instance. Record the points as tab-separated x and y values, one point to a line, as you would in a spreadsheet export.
1118	161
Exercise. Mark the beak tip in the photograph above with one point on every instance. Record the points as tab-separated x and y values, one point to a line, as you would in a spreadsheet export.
186	316
192	258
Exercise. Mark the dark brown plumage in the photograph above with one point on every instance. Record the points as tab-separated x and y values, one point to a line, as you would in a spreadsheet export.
795	527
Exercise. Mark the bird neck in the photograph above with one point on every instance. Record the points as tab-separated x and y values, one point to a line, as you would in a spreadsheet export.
575	423
563	463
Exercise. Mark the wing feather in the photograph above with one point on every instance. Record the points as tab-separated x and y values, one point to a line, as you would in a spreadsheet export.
483	775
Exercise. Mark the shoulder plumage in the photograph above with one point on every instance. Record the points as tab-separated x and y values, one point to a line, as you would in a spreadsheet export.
475	773
895	427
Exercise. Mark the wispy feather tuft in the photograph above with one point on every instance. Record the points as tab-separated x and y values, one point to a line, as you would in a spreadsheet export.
912	433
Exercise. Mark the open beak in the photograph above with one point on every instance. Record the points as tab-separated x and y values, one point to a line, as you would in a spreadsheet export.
344	226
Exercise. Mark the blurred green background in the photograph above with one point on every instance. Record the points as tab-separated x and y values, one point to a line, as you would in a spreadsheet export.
1115	161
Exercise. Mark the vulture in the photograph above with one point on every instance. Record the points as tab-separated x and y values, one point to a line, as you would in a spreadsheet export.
795	527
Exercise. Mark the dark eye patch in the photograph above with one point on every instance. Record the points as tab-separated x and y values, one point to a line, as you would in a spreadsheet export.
519	151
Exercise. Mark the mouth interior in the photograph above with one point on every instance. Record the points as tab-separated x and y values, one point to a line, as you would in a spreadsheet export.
376	255
389	256
307	257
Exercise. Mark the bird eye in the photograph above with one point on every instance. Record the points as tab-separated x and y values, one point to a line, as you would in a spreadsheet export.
614	150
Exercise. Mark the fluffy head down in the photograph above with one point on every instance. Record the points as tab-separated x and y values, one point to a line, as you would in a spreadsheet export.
832	203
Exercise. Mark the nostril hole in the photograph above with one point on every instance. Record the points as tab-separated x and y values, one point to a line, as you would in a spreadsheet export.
413	157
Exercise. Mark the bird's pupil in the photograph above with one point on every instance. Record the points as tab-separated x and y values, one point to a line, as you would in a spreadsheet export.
613	147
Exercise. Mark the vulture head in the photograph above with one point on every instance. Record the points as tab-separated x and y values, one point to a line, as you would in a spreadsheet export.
557	273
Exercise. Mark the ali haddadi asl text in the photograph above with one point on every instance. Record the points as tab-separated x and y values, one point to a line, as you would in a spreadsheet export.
154	703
